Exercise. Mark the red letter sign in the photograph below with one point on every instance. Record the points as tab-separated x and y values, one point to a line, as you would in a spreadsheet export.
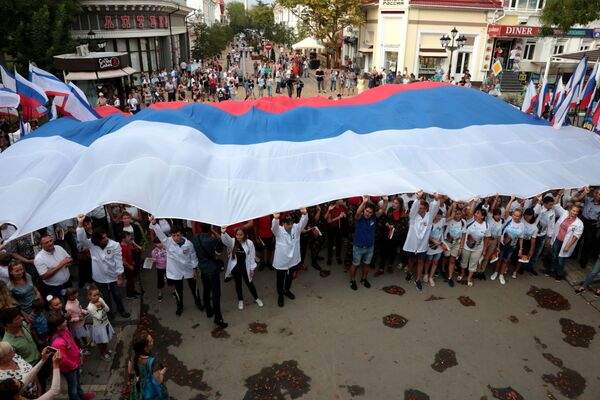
125	22
140	21
152	21
108	22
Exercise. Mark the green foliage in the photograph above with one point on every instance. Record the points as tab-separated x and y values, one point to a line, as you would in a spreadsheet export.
36	30
325	20
210	40
262	19
239	19
566	13
284	35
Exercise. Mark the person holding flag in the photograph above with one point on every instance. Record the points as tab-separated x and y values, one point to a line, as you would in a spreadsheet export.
531	96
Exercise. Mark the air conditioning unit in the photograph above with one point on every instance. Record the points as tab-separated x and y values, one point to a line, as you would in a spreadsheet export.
83	50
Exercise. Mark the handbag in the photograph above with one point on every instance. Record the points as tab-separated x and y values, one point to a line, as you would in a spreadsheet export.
151	389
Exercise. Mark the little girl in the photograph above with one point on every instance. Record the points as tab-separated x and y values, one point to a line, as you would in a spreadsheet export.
75	314
55	305
159	255
102	330
39	321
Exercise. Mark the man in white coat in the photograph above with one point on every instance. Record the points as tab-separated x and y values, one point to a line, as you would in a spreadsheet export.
420	220
107	264
182	263
287	252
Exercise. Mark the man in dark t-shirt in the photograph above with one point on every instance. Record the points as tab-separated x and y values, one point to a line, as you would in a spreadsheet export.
364	239
207	247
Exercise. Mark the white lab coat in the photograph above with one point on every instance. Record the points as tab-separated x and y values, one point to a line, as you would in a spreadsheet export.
287	245
574	230
419	227
181	260
248	247
107	263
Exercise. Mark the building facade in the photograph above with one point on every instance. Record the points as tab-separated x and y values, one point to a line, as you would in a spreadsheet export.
209	11
404	35
286	16
153	33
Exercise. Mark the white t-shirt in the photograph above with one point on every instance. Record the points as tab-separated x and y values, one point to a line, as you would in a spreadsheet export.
437	231
4	274
44	261
495	227
529	230
512	232
475	234
454	230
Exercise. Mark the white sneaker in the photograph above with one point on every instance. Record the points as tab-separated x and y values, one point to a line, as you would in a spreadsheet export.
502	281
494	276
431	282
514	275
241	305
259	302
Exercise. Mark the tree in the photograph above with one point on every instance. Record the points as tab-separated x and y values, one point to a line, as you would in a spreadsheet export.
326	20
37	30
284	35
239	19
566	13
262	19
210	40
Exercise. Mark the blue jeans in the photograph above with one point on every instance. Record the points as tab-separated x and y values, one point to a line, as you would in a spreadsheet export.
592	275
333	86
73	379
362	255
540	241
108	289
558	262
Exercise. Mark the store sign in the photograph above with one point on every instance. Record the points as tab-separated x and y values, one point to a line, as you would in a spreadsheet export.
135	21
108	62
512	31
392	3
575	32
596	33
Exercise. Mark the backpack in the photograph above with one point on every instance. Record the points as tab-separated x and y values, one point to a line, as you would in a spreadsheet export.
152	390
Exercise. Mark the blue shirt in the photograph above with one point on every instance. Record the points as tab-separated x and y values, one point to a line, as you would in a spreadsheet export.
364	233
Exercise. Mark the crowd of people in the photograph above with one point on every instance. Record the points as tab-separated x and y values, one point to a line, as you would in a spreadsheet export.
429	237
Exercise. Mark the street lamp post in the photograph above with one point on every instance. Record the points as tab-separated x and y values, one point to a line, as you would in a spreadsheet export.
452	42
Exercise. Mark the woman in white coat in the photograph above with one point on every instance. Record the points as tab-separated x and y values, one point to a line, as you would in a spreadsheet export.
241	264
567	231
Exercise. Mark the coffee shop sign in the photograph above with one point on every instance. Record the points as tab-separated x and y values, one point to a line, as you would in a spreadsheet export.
108	62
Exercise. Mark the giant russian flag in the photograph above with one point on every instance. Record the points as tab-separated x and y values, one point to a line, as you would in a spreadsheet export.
234	161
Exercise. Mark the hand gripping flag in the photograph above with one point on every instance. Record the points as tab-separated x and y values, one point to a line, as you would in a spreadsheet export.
572	93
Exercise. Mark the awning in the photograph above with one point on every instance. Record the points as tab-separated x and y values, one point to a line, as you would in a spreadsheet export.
432	54
81	76
308	43
94	76
366	49
592	54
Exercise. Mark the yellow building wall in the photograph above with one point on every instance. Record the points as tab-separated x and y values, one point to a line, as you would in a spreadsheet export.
420	20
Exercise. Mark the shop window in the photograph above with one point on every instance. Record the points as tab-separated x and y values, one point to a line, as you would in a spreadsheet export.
133	45
462	62
135	61
153	64
427	65
110	45
529	50
145	61
527	4
121	45
559	48
585	45
391	60
144	44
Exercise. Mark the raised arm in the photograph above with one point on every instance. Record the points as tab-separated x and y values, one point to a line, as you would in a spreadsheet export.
303	220
226	239
275	224
361	208
507	209
157	230
382	209
80	232
581	195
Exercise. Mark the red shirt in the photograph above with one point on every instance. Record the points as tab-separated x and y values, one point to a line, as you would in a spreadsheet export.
337	210
127	254
263	226
563	228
